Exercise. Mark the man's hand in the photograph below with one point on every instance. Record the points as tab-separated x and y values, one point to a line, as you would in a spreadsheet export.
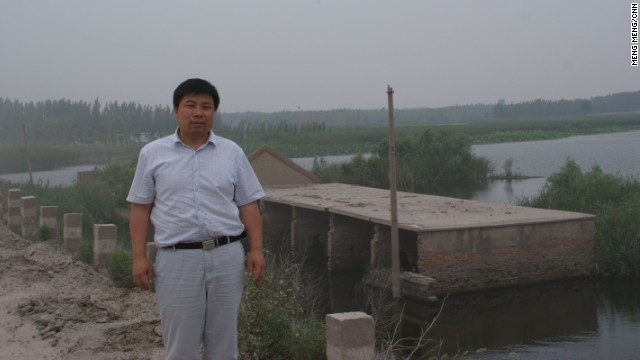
250	217
255	266
139	229
142	273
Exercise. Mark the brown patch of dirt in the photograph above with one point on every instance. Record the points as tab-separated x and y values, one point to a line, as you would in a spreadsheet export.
55	307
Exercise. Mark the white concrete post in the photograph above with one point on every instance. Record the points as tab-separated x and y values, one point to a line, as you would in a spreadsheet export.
350	336
71	232
14	218
28	212
49	218
105	244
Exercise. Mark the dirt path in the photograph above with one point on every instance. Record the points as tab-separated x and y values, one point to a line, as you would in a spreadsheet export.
54	307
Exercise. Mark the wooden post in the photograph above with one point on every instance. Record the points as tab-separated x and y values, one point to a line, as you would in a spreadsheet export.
26	151
395	246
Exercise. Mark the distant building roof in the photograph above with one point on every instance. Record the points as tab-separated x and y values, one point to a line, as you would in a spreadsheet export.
275	170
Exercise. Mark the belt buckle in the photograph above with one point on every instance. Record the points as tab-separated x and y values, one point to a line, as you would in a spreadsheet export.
209	244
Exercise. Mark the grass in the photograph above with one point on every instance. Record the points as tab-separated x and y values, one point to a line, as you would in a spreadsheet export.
277	318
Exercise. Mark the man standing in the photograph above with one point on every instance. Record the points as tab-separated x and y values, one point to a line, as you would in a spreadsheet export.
200	193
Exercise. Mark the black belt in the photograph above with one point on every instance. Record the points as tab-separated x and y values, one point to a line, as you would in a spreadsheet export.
208	244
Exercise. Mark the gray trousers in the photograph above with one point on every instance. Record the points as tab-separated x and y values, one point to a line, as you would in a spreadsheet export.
198	293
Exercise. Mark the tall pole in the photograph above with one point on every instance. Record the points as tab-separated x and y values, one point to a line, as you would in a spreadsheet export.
395	247
26	151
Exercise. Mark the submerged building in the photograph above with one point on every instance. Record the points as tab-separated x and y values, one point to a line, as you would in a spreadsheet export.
447	245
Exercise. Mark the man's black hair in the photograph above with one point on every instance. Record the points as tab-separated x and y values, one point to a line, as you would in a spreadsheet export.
197	87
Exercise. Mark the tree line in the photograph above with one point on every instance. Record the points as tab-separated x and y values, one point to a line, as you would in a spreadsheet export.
620	102
79	122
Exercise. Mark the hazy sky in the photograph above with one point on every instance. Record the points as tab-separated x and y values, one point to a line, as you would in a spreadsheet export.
272	55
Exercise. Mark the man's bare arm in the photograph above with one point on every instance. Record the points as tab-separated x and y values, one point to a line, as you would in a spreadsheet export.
139	222
250	217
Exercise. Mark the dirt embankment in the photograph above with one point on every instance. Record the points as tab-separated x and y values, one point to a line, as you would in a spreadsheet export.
55	307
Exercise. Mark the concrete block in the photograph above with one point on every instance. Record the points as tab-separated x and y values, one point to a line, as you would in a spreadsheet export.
28	212
14	218
71	232
105	244
49	218
350	336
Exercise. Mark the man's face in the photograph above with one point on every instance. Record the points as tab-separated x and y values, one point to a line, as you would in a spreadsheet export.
195	117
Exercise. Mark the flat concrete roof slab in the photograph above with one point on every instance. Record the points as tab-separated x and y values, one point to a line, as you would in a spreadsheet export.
416	212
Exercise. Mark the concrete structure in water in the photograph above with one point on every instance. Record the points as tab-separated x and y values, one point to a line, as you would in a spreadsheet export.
447	245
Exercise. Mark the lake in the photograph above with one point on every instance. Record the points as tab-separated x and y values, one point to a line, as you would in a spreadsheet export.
56	177
616	153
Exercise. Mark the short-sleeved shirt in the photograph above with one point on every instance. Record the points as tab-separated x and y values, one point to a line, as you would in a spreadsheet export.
196	193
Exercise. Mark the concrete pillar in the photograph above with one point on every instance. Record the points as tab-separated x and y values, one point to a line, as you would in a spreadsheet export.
14	220
309	230
276	225
381	247
350	336
71	232
49	218
105	244
29	214
349	243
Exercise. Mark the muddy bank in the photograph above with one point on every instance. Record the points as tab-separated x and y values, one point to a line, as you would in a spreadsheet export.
54	307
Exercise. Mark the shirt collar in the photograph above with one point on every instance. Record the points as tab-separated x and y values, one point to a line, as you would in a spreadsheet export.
176	139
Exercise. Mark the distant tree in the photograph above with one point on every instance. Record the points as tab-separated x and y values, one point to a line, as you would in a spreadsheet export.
499	109
427	159
508	167
95	111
